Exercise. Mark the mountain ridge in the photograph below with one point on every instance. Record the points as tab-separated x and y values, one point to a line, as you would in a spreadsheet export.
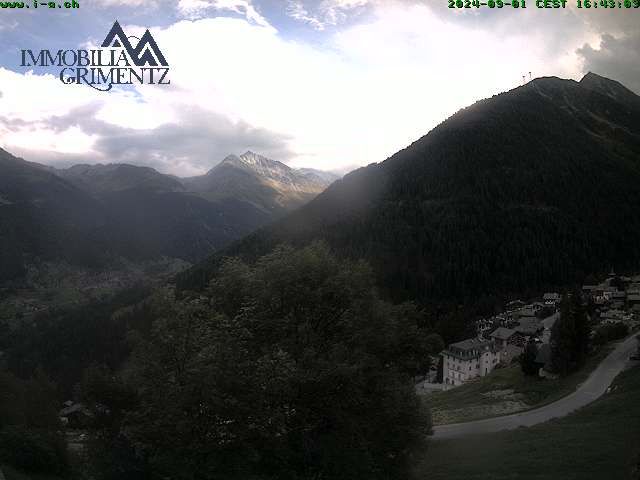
88	214
531	188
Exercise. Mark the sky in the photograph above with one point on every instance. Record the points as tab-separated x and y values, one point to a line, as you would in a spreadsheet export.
328	84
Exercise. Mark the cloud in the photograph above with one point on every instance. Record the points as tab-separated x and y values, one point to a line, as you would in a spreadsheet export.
6	24
320	15
192	144
385	74
618	58
194	9
125	3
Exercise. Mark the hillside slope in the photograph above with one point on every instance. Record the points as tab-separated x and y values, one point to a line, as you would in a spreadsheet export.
89	214
534	187
42	215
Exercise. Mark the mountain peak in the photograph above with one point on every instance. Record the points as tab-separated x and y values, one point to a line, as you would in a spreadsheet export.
608	87
253	158
249	160
230	159
268	184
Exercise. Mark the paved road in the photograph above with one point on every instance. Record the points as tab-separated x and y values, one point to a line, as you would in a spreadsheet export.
595	386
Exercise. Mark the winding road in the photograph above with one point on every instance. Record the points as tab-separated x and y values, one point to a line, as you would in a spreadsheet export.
594	387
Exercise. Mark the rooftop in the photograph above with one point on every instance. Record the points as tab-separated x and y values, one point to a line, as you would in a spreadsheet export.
529	326
471	344
470	348
503	333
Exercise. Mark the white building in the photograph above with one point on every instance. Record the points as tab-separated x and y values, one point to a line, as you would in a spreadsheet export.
468	359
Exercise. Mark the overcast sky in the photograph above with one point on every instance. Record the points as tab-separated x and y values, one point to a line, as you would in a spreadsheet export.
324	83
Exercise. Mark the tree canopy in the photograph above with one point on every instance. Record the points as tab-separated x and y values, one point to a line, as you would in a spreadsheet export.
291	367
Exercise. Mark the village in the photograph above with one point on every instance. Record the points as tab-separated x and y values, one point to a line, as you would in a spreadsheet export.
501	339
497	347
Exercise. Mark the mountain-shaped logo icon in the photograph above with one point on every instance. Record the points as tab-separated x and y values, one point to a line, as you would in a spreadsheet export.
146	52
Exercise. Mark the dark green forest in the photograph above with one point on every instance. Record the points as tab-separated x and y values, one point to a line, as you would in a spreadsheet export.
292	354
289	367
527	191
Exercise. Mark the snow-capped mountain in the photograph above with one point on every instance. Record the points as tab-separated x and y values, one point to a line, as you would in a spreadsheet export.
267	184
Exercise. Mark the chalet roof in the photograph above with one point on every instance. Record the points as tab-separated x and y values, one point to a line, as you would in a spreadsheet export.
515	304
529	322
529	326
470	348
503	333
471	344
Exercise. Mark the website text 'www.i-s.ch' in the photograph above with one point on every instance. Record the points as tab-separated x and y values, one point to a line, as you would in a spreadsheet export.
37	4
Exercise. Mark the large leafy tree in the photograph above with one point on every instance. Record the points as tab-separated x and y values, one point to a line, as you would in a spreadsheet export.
289	368
29	425
528	359
570	335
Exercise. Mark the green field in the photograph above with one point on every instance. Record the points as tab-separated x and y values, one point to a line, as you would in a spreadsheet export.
601	441
473	400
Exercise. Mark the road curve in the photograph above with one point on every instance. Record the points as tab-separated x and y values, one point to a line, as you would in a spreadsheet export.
594	387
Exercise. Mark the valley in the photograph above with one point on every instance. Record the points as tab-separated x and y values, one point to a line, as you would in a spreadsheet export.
91	216
260	321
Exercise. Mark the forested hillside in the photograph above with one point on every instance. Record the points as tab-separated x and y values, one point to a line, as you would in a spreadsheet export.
94	215
531	188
